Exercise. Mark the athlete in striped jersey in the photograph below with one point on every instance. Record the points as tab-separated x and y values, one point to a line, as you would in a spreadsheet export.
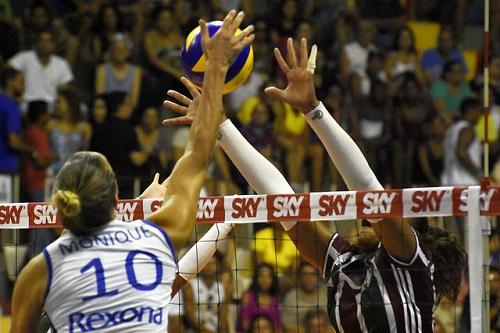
393	277
104	275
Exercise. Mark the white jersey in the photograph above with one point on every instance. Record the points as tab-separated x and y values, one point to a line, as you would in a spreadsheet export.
454	172
358	56
208	300
116	280
42	81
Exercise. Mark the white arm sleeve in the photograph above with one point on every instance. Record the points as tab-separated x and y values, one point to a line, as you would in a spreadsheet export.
262	176
260	173
343	151
198	256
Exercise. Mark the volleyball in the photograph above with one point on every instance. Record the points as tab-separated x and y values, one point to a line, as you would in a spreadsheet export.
193	60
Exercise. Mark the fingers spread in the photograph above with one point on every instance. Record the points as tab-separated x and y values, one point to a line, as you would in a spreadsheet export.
183	99
229	18
175	107
193	90
303	53
311	63
292	57
204	30
237	21
244	33
226	30
275	93
281	62
177	121
244	42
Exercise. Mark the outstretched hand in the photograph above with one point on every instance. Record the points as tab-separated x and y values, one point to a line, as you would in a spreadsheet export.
183	105
300	92
225	44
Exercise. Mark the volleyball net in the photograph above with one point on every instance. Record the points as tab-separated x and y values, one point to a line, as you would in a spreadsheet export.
236	272
314	206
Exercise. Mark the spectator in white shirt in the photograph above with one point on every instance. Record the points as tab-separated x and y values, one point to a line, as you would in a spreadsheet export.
309	295
45	73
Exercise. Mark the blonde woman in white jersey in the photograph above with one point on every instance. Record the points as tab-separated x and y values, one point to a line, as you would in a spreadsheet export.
104	275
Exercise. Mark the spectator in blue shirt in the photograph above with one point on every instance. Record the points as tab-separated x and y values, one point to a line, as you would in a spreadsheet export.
433	60
11	142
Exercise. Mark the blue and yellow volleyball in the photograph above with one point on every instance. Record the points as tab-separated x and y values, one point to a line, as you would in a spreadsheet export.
194	60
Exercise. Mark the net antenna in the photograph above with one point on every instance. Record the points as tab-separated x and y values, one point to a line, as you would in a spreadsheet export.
485	225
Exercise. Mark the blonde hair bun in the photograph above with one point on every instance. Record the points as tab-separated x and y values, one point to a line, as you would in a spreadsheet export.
67	202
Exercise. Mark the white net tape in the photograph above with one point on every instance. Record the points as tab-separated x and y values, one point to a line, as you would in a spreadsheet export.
316	206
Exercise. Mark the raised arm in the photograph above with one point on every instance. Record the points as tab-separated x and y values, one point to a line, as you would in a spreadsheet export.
178	212
310	238
396	236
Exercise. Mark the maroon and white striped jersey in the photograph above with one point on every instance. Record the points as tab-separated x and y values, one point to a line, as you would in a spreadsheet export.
378	293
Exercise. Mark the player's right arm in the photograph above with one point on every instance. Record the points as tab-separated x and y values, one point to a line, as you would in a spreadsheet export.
29	296
178	212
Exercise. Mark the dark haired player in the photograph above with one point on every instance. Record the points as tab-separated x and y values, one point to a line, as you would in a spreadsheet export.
393	277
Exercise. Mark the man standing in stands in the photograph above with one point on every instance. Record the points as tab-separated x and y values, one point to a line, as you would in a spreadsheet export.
45	72
11	141
462	160
206	298
462	156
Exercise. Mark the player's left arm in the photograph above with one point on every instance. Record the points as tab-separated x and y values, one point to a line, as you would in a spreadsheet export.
260	173
29	294
396	235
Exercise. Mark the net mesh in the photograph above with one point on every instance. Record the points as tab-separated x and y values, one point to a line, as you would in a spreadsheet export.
257	279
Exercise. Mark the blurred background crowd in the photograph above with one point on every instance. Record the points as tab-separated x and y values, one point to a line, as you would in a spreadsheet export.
398	75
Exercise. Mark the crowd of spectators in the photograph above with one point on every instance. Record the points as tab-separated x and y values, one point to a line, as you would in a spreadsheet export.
79	75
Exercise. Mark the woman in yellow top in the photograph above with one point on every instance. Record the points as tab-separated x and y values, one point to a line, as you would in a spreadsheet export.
273	246
293	136
291	131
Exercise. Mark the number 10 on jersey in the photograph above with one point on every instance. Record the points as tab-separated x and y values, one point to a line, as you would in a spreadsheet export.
130	271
